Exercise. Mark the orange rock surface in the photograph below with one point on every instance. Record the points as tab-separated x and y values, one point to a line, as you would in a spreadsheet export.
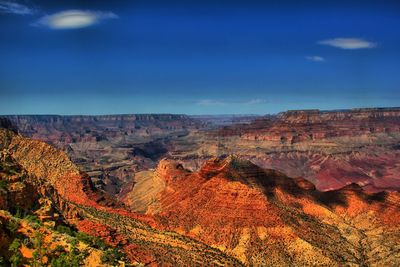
263	217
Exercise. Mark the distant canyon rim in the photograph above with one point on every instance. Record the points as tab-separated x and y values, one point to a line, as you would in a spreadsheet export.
331	149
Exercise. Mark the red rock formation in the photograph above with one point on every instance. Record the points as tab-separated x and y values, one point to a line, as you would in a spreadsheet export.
56	179
329	148
236	206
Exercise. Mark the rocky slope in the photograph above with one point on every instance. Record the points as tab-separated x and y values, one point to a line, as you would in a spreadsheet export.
263	218
63	194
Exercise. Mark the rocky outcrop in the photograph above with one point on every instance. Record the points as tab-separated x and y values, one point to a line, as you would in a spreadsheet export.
16	192
63	189
263	217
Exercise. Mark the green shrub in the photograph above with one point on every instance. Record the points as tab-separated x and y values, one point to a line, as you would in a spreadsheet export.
40	251
99	244
65	230
74	243
112	256
58	249
91	240
12	226
4	184
16	257
72	259
85	238
17	212
33	220
60	261
14	246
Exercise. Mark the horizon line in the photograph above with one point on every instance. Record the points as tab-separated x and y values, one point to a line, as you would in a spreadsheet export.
205	114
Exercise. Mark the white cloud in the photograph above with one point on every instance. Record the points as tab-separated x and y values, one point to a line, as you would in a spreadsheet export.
348	43
315	58
15	8
73	19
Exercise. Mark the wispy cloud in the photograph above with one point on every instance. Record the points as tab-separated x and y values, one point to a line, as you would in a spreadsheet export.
74	19
211	102
256	101
348	43
315	58
16	8
216	102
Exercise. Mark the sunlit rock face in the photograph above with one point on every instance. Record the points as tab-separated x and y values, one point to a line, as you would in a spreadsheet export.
263	217
41	179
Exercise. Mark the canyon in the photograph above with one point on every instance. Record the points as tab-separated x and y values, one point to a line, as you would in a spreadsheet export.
329	148
305	187
51	187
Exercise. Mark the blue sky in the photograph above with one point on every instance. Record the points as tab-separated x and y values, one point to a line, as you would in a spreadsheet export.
201	57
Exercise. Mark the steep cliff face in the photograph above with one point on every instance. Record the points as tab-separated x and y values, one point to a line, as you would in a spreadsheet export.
57	183
305	125
262	217
330	148
374	168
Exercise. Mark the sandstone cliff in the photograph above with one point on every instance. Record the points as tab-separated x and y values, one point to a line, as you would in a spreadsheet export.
262	217
57	182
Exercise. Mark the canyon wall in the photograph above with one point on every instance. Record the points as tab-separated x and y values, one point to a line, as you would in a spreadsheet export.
329	148
307	125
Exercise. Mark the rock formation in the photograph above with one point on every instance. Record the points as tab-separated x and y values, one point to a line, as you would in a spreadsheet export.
111	147
330	148
263	218
56	180
235	205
